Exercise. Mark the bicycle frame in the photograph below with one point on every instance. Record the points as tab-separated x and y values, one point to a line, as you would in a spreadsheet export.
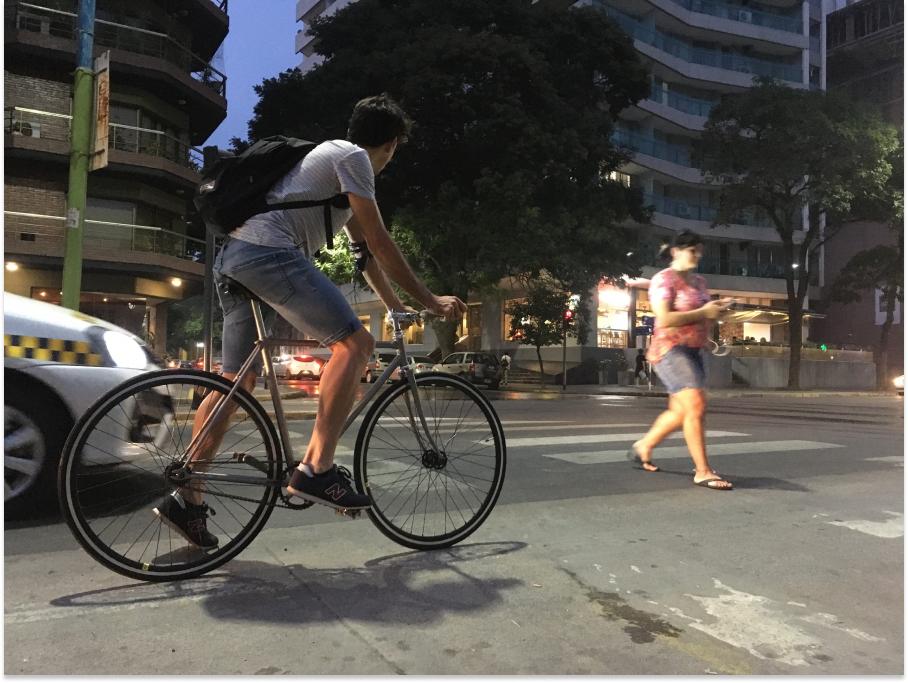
262	346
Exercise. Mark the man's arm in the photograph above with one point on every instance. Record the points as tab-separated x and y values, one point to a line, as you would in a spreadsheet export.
378	281
367	224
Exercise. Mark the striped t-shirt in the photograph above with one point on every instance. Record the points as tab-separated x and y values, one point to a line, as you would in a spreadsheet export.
334	167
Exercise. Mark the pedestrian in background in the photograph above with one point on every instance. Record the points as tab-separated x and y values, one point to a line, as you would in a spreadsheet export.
640	366
684	315
505	367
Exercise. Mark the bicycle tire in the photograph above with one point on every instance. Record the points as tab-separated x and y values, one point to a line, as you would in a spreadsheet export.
389	462
133	456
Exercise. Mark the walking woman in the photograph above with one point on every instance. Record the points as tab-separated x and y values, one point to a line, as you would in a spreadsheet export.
684	315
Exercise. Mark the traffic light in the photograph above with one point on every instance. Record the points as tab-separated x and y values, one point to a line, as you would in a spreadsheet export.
568	315
823	347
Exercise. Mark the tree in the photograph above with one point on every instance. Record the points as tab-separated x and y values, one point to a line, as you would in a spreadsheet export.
185	325
540	320
507	169
880	267
780	149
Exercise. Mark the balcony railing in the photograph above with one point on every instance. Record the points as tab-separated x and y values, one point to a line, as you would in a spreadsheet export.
683	103
47	125
696	55
643	144
745	15
60	24
698	212
35	228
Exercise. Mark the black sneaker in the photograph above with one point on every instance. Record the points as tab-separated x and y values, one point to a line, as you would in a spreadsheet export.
333	487
187	520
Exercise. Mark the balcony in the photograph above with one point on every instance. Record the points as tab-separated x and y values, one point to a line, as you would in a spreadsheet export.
745	15
698	212
682	103
727	61
677	154
142	245
136	52
42	131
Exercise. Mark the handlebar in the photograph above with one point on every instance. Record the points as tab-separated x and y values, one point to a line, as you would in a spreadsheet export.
411	317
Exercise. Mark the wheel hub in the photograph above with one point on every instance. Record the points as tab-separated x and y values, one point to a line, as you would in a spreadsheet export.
434	460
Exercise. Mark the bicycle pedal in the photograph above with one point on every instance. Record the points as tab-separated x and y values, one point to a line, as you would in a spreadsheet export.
352	514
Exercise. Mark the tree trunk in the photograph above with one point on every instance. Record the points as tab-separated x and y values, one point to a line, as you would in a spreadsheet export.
882	355
445	333
541	370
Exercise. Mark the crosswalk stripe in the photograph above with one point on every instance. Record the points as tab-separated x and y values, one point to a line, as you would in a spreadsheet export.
597	438
675	452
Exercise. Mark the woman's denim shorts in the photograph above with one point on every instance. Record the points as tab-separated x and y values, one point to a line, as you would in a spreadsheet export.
681	368
290	285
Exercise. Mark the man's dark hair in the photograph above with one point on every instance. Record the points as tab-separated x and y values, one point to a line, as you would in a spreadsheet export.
377	120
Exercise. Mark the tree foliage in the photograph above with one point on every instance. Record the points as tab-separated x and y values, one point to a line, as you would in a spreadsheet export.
506	171
539	320
781	149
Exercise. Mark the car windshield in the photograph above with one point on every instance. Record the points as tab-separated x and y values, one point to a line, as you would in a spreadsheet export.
421	359
386	357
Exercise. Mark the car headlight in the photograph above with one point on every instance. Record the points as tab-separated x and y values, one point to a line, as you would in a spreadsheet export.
899	382
125	352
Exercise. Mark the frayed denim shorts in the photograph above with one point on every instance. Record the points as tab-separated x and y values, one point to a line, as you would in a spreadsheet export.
290	285
681	368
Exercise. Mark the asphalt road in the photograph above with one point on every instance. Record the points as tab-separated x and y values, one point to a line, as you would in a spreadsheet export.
586	566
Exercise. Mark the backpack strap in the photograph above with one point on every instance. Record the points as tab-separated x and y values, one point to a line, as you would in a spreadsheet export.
338	201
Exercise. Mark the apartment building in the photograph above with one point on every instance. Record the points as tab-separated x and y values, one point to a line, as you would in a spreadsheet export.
166	97
696	50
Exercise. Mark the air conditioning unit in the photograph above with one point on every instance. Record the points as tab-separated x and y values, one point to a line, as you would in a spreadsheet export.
27	129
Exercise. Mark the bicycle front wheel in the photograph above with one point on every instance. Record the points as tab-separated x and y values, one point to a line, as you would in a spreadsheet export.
120	462
425	498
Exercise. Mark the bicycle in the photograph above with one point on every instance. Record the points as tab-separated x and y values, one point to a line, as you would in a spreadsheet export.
430	452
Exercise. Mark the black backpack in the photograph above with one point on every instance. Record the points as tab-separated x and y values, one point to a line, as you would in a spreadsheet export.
233	188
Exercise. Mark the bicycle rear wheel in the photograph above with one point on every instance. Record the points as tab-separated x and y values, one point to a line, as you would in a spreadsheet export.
119	460
424	499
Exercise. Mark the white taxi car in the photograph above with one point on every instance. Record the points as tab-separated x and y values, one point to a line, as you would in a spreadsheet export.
57	363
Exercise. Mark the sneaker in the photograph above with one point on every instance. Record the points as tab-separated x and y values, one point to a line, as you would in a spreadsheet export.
187	520
333	487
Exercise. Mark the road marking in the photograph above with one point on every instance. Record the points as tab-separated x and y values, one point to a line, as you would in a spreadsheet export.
890	528
672	452
896	460
598	438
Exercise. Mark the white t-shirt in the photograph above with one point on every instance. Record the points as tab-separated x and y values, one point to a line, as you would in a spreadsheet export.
334	167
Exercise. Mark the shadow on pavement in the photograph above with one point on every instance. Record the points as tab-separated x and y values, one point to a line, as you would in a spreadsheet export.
418	587
740	482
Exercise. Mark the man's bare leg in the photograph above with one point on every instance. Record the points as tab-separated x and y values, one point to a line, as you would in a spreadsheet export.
205	450
337	392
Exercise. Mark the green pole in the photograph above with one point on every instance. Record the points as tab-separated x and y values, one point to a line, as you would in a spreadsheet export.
79	156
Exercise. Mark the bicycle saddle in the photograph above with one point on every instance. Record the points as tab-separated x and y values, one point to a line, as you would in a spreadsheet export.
228	284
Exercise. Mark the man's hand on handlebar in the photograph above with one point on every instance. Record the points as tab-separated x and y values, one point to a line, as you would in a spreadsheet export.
448	307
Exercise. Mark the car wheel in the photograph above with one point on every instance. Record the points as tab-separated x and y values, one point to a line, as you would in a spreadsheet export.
33	437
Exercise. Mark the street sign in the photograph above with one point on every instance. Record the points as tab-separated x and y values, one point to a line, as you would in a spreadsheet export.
102	112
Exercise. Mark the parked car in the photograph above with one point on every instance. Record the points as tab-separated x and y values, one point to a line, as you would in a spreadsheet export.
480	367
57	363
303	366
380	360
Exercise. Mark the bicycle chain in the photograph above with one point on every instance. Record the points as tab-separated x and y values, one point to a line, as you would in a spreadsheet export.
283	496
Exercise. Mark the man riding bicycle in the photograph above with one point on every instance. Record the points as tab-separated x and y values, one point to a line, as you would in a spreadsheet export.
270	255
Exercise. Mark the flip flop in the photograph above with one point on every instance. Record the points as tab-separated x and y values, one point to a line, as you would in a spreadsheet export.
706	484
634	457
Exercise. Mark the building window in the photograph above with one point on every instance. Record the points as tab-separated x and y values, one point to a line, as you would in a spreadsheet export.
619	177
612	317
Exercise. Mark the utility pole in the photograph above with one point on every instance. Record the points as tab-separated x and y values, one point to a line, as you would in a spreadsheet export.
79	155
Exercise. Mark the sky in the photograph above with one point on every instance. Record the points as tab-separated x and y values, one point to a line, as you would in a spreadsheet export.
260	45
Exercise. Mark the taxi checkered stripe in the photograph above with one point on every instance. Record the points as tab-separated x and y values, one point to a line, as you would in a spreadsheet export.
66	351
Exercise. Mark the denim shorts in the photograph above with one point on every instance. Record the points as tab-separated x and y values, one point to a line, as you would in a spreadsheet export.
290	285
681	368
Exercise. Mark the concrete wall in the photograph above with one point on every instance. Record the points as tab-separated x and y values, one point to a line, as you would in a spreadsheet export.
772	373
